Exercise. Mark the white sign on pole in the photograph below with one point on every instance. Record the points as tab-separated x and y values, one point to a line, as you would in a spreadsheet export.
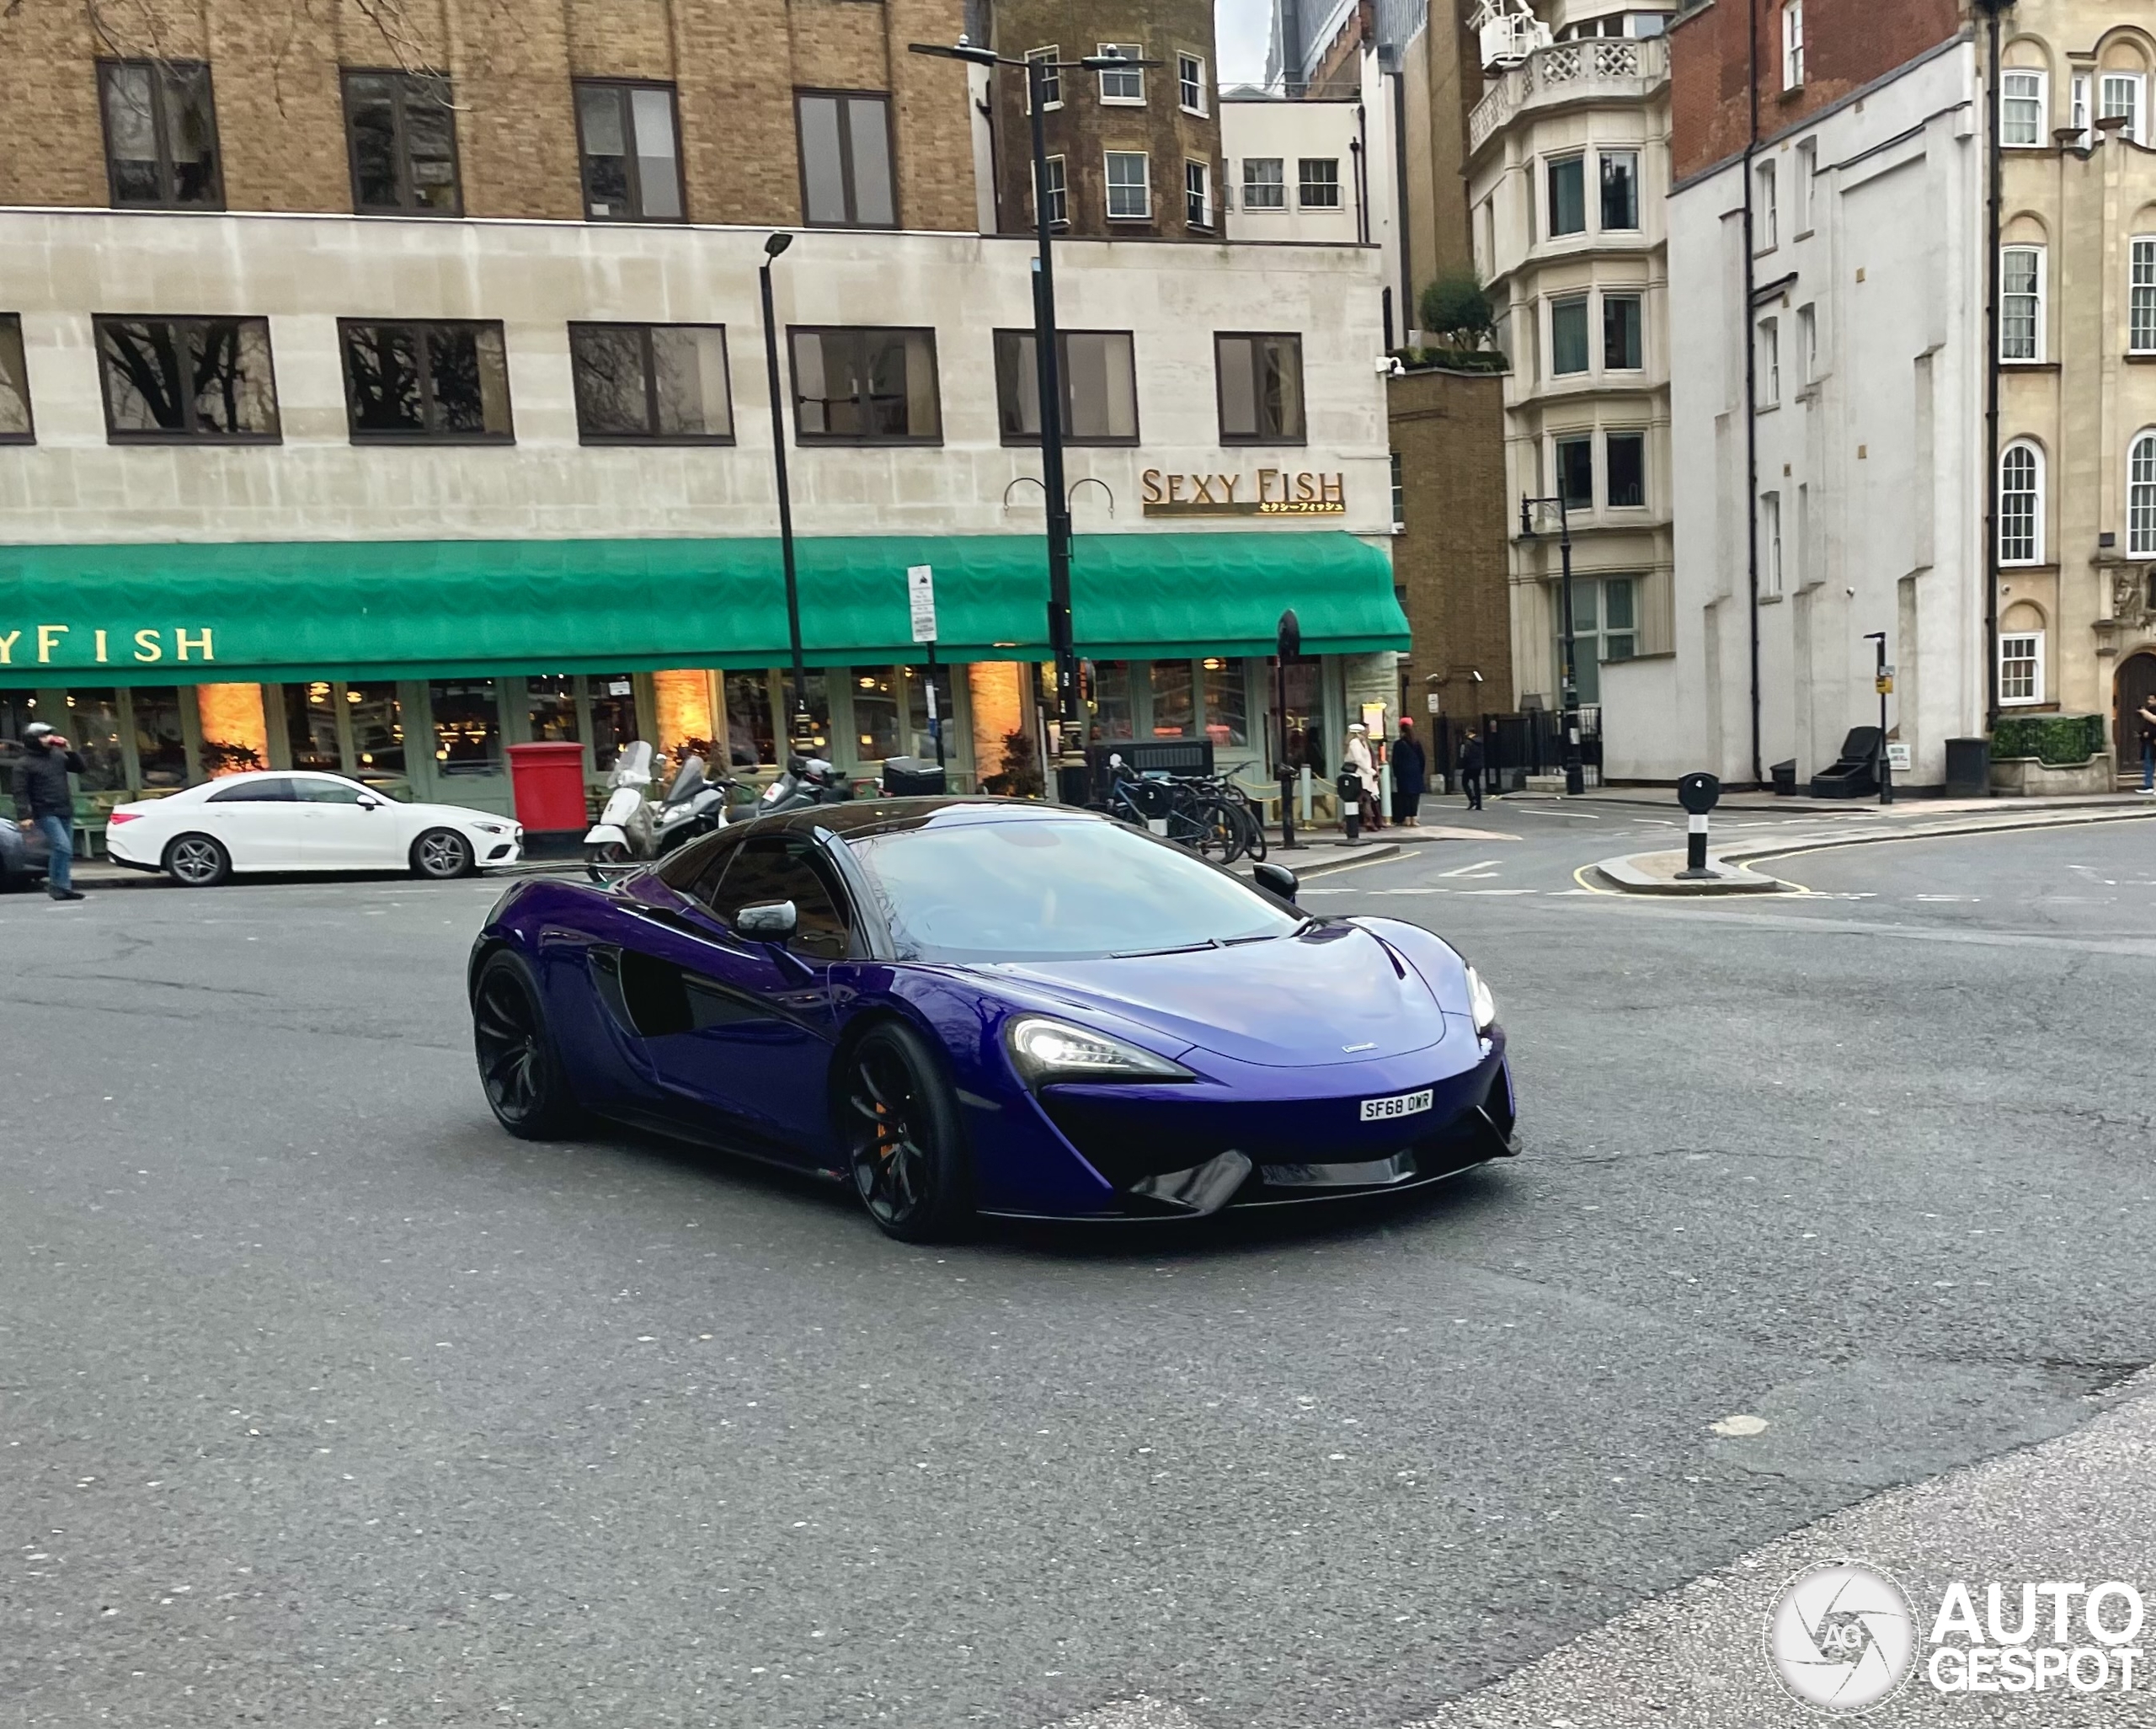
1897	758
920	594
1434	708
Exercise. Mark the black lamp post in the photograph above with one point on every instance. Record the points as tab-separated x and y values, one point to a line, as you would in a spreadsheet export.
801	727
1288	642
1569	687
1070	778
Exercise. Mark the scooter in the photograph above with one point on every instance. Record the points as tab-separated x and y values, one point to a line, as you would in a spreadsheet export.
693	805
805	780
624	830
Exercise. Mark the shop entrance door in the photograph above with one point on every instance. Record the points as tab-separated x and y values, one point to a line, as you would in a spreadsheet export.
2134	685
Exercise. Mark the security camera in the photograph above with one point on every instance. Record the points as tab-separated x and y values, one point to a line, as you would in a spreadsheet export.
1435	678
1390	366
1474	675
1851	593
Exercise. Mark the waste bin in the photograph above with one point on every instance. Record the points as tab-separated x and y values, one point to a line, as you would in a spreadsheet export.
1349	785
911	777
1968	768
548	781
1785	778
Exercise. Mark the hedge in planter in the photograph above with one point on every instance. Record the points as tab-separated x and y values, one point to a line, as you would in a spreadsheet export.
2062	740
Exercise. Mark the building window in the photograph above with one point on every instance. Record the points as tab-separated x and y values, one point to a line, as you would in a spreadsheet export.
401	128
1568	335
2021	668
1770	543
1049	60
207	380
1792	45
1190	83
1620	333
631	164
2020	505
1625	469
1767	216
1130	185
1575	462
1567	196
16	426
651	383
2141	296
856	385
1770	363
1808	343
2141	497
1399	494
1264	183
1260	386
1602	629
2021	108
438	382
1621	189
1059	193
1318	182
2021	303
1099	382
2121	95
1198	193
846	160
2077	107
1124	84
1807	183
160	135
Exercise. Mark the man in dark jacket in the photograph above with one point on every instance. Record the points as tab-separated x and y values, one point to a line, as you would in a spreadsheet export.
45	801
1409	767
1470	770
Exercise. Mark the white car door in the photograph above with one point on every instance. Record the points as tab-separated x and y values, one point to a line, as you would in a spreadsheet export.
348	827
256	820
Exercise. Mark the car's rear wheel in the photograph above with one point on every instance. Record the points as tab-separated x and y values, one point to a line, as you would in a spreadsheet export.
197	862
526	1086
441	856
900	1122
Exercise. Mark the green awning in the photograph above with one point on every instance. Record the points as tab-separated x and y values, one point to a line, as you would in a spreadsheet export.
279	611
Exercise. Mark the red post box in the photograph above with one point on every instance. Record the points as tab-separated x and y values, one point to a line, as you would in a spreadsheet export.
548	780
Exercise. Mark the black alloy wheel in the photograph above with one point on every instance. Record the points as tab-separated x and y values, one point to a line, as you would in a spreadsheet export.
899	1121
525	1087
441	856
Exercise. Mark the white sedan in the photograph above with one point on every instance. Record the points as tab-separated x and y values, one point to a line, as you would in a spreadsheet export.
298	821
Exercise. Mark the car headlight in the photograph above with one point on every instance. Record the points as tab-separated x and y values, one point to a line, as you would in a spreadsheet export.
490	828
1042	1050
1479	999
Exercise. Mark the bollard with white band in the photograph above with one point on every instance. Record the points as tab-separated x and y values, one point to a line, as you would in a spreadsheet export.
1699	794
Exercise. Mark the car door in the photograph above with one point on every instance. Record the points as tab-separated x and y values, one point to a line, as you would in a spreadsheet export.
738	1033
345	827
256	820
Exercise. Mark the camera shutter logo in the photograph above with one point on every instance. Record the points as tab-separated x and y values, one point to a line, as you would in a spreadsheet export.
1842	1637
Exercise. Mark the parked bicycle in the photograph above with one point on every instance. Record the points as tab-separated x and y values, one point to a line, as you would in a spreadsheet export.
1209	814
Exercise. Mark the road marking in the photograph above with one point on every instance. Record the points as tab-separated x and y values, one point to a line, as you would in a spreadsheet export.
1482	867
1946	896
1496	891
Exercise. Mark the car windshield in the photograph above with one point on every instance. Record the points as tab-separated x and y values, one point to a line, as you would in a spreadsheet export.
1048	890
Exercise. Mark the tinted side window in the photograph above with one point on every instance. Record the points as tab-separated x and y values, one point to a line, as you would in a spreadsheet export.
695	869
273	789
771	867
328	791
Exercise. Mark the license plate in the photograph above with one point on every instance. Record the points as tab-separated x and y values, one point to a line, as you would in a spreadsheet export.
1401	1104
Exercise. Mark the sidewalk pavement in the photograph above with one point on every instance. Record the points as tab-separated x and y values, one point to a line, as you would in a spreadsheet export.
1903	809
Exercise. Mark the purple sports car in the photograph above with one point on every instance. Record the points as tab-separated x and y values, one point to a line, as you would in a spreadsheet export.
965	1006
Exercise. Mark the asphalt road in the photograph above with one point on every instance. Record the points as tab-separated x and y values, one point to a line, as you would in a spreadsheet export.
323	1402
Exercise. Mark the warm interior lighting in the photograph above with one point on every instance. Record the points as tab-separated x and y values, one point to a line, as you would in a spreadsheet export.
232	714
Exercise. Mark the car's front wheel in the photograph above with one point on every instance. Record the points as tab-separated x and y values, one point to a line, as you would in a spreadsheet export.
526	1088
441	856
900	1122
198	861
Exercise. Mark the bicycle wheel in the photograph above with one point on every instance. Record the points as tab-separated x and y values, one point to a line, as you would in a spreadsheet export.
1223	835
1253	828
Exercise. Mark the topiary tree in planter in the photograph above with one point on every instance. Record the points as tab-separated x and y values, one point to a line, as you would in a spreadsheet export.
1455	309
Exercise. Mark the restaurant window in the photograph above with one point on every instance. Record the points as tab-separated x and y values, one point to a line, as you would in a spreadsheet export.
846	160
550	708
1122	84
1567	180
651	383
160	135
161	738
920	737
1227	704
1260	387
1099	380
1129	185
1625	461
856	385
1317	181
1620	333
438	382
467	722
750	738
1114	715
401	128
612	699
627	137
1568	335
16	425
1621	189
310	728
377	723
1265	185
876	698
94	722
172	379
1576	471
1174	694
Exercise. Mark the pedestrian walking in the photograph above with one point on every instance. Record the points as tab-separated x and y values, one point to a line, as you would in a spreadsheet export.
1408	769
2148	743
46	802
1366	772
1470	770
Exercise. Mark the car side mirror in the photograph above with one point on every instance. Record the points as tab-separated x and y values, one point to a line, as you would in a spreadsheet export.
1275	879
774	921
367	803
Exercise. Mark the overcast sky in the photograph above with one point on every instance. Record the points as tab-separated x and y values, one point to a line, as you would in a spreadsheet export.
1243	28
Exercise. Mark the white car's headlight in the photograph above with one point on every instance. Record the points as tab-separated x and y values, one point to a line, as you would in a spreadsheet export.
1479	999
1042	1050
491	828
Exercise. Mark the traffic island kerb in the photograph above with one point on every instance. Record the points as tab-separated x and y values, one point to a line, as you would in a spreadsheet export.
1662	874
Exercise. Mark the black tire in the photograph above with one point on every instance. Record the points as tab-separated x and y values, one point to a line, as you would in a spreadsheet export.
899	1122
1220	835
197	861
1253	827
442	856
606	852
526	1088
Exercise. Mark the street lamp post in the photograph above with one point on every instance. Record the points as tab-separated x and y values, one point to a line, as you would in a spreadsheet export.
1071	777
1569	687
801	727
